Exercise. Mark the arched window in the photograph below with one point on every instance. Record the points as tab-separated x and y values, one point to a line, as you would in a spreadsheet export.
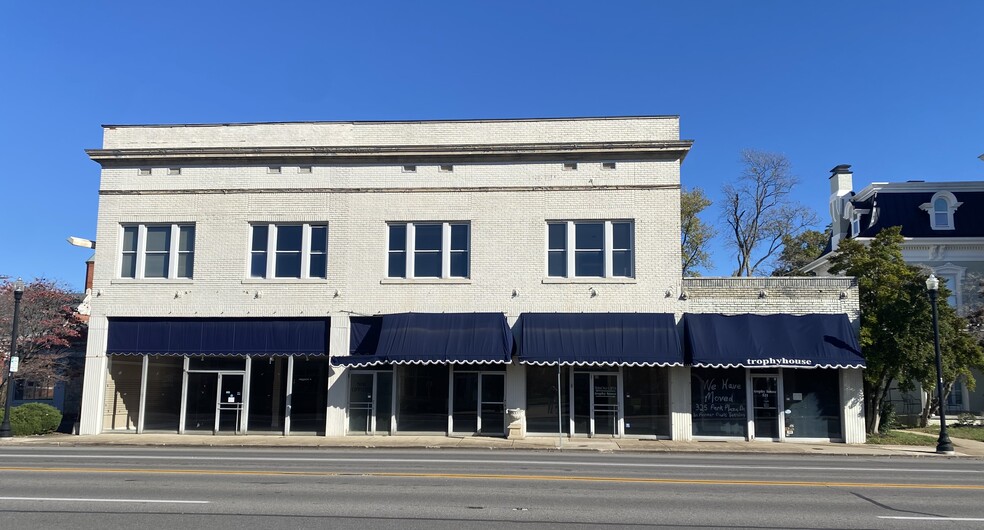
941	213
940	209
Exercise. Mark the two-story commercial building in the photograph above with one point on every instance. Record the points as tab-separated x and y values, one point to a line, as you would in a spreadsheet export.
352	278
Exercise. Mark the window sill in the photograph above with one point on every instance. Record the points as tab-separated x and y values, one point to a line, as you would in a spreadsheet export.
268	281
152	281
425	281
588	280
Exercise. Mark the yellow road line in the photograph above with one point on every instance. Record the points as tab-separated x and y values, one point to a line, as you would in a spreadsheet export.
466	476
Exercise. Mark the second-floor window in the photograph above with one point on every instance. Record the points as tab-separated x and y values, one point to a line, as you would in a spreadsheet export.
590	249
428	250
158	251
294	250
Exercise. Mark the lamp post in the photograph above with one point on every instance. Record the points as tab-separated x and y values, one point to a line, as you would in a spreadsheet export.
5	431
943	444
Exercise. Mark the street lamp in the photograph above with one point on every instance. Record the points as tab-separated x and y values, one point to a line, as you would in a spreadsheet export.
12	363
943	444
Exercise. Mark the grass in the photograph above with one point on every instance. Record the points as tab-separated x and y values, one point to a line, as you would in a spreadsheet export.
900	438
967	432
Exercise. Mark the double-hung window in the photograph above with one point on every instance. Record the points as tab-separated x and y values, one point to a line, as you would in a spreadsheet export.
428	250
288	250
590	249
164	251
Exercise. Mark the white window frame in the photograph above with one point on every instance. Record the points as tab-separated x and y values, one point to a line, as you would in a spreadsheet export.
930	208
954	275
571	251
141	251
271	251
410	250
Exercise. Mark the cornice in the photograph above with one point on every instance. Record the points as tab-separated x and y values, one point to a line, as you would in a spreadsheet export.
675	149
419	189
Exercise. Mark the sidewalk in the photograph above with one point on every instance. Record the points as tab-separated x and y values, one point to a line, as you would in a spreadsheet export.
965	448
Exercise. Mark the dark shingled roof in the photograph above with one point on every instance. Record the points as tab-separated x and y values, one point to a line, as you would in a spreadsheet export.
902	209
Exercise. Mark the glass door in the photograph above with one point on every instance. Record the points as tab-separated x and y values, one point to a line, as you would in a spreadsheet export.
604	408
370	402
479	403
491	419
229	406
765	406
361	392
595	400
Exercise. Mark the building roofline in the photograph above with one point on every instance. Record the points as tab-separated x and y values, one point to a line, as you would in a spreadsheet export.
363	154
920	186
380	122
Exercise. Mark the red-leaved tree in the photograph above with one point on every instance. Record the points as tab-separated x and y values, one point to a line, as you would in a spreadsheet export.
48	330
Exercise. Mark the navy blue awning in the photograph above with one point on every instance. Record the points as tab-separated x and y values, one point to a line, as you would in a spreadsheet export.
759	341
218	336
428	338
612	339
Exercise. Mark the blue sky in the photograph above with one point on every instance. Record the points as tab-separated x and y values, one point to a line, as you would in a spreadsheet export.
894	88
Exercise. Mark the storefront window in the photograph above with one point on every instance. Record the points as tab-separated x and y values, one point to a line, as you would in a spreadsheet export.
541	399
646	401
719	401
423	398
309	400
267	389
122	393
812	399
163	408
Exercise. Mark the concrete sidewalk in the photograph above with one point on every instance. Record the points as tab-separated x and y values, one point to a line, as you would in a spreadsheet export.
965	448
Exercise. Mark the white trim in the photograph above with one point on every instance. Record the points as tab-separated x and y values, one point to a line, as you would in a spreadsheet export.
607	250
271	251
410	249
951	206
958	273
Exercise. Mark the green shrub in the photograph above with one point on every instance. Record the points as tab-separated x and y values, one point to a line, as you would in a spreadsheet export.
33	418
889	420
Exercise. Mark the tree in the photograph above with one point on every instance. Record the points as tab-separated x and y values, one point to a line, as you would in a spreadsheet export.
896	321
798	251
46	330
694	233
758	210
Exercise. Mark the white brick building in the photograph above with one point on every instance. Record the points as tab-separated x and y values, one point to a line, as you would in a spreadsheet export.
227	252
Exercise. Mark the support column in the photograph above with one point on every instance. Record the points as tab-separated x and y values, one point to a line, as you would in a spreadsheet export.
94	380
852	403
681	420
338	344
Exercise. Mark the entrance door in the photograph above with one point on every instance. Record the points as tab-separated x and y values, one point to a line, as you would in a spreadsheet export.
595	396
604	407
479	403
765	406
229	405
370	402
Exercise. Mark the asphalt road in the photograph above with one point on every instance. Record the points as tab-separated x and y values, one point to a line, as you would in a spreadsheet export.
221	488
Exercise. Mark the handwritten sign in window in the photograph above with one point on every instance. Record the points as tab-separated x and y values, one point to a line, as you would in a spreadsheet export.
719	401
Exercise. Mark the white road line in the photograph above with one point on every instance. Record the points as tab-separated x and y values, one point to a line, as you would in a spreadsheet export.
931	518
496	462
70	499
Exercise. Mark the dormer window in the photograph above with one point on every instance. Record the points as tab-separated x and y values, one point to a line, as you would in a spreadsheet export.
940	209
855	224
